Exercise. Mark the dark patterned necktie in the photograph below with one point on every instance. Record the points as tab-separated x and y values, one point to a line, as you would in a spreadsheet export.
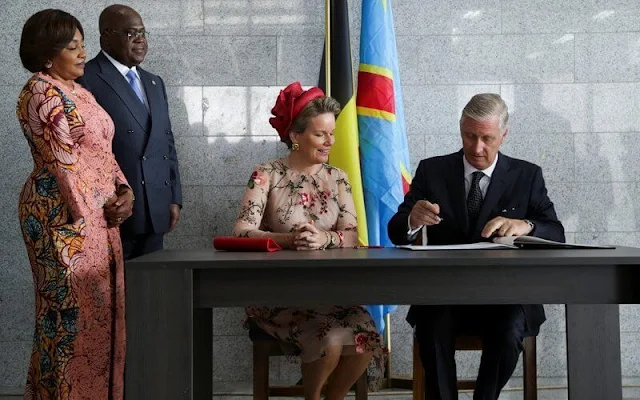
474	199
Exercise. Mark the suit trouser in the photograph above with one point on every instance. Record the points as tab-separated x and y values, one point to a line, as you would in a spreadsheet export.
137	245
501	328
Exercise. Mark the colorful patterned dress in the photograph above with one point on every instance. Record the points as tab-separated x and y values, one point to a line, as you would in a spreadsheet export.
78	271
279	199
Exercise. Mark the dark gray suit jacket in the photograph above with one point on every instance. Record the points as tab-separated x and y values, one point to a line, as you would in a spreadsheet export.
517	190
143	143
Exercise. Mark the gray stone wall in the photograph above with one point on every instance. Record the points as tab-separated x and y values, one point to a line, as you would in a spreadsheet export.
569	69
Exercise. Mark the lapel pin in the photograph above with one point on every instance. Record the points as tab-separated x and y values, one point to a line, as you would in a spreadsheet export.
154	82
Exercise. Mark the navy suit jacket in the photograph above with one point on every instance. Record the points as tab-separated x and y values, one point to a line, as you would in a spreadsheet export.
517	190
143	143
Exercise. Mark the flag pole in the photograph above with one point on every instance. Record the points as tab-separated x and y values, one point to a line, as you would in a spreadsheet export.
327	47
387	332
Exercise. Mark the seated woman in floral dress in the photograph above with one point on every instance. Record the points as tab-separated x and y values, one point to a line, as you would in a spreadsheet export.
305	204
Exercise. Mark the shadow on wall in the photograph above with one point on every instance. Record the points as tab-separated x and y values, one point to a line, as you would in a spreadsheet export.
541	134
224	144
598	198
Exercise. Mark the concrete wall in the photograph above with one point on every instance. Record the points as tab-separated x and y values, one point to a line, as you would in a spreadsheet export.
569	69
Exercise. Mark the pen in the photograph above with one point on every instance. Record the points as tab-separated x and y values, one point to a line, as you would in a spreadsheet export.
440	219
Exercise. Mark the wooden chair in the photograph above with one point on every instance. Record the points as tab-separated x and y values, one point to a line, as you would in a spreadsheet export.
475	343
265	346
464	342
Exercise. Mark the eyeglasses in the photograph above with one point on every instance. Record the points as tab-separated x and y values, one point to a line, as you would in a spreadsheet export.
132	35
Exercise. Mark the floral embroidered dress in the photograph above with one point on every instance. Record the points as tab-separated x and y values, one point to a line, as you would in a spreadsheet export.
279	199
78	271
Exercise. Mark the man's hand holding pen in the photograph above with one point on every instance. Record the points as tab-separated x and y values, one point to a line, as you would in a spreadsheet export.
424	213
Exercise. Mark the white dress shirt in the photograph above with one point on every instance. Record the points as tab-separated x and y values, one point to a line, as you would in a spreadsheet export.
484	181
124	70
468	177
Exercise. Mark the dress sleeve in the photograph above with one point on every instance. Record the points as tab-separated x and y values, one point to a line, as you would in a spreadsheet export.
120	178
253	205
42	114
347	224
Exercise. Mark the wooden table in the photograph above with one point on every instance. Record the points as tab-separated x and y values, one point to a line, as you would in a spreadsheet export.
170	294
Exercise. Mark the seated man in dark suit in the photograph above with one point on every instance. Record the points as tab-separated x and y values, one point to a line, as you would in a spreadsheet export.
466	197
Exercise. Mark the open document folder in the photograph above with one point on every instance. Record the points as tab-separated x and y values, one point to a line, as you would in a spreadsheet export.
509	242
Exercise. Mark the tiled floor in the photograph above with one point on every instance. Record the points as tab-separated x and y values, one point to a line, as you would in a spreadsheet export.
243	392
552	394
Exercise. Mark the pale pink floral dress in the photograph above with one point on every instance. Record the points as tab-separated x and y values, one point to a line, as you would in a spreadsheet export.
279	199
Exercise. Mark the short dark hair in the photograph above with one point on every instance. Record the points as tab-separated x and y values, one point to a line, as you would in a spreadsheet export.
321	105
44	35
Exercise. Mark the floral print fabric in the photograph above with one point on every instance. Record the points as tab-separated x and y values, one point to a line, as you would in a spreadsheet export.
279	199
78	271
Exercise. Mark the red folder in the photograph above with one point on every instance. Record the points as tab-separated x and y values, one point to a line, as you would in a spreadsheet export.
233	243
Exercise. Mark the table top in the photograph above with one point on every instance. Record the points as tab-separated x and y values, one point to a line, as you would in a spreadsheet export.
382	257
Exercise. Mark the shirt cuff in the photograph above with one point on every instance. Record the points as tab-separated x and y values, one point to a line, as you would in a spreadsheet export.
411	232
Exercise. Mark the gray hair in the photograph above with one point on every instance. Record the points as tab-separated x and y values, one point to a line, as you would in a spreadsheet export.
486	105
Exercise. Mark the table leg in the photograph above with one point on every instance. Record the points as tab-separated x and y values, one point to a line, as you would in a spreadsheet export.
159	315
203	353
593	352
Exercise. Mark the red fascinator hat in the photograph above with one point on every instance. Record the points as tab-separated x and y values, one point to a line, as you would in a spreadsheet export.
289	103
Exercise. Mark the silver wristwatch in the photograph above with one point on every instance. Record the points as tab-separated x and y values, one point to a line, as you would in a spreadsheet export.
332	242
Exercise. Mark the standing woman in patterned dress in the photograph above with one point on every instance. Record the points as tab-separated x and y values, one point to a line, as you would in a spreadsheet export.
69	217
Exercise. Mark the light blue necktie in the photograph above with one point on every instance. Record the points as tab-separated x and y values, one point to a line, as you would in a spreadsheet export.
132	78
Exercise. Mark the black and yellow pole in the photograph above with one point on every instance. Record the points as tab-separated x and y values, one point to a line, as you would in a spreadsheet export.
327	47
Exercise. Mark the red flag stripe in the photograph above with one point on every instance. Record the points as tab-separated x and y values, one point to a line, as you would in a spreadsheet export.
375	91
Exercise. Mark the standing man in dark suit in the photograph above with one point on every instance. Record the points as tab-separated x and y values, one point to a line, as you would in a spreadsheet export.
143	143
466	197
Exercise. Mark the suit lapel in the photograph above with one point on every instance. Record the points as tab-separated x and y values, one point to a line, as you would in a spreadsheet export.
151	90
499	182
455	186
110	74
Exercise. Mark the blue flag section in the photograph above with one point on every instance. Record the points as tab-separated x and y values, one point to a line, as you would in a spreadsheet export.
384	153
378	313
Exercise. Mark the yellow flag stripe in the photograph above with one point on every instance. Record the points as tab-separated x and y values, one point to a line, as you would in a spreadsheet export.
375	69
405	174
370	112
346	156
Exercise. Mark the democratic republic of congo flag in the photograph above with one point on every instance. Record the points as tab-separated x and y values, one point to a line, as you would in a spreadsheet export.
384	154
344	153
